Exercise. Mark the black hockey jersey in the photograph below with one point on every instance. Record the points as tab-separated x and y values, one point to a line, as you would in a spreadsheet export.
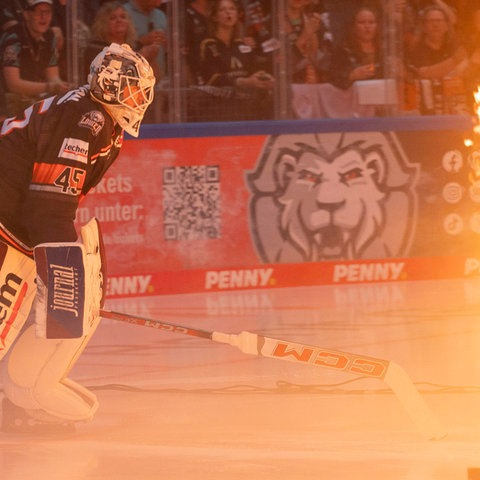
221	65
49	158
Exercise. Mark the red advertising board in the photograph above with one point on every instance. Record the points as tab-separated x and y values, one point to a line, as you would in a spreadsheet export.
199	214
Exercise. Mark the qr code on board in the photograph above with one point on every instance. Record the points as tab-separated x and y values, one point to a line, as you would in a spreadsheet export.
191	202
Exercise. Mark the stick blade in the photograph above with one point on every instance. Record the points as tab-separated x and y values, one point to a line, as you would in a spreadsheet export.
413	402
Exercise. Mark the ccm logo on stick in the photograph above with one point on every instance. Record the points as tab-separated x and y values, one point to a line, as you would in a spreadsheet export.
341	361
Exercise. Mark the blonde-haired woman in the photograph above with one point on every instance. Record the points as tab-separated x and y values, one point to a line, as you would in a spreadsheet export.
112	23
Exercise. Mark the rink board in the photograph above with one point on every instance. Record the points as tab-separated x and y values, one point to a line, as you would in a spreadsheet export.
208	207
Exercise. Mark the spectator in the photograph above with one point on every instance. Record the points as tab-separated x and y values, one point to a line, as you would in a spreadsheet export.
255	24
434	57
196	30
359	57
437	53
113	24
453	10
310	41
151	25
29	58
227	64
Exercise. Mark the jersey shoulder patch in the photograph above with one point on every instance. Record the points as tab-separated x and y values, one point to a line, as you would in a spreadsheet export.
94	120
84	112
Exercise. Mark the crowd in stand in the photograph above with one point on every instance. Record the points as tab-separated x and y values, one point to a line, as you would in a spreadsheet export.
230	49
33	46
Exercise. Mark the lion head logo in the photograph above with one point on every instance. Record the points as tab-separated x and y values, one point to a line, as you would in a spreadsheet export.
336	196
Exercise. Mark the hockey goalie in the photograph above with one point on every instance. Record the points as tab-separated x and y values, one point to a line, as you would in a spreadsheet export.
50	157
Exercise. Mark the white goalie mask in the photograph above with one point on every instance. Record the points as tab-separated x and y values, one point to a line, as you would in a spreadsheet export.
123	81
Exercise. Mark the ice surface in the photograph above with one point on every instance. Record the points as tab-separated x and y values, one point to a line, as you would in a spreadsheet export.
174	406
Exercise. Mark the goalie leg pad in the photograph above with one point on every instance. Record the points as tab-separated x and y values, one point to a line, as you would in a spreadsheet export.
17	291
35	371
34	377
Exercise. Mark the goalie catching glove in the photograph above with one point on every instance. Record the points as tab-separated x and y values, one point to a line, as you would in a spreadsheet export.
70	292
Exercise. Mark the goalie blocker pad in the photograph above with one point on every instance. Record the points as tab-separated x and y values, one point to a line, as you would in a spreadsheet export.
70	285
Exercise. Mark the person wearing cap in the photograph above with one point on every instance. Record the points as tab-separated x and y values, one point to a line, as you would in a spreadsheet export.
29	58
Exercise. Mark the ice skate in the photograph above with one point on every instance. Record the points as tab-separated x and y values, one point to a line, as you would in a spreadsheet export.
18	420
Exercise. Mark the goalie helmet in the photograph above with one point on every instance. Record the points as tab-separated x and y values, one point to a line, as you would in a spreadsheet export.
123	81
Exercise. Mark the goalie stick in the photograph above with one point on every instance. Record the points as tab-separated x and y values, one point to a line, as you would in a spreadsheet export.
390	372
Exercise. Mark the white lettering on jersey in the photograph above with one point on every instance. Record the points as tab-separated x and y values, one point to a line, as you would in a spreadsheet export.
74	149
12	123
73	95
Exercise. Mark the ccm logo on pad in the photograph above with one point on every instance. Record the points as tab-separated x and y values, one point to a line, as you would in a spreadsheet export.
74	149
